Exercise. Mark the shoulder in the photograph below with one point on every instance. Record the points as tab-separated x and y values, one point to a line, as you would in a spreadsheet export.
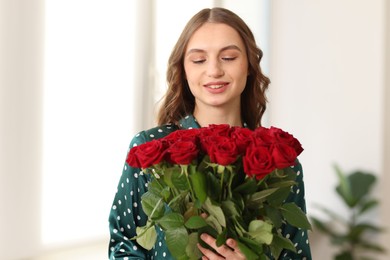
152	133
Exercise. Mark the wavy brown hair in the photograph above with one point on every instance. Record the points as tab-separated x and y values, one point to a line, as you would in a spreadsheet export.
179	101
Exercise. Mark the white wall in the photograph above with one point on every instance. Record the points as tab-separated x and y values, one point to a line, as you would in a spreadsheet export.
21	60
328	77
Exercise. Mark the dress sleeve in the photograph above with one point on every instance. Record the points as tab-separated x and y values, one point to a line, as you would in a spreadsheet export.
126	214
298	236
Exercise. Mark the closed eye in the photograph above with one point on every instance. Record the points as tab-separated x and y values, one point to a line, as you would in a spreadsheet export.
228	58
199	61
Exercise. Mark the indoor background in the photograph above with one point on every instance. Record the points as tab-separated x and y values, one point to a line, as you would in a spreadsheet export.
74	75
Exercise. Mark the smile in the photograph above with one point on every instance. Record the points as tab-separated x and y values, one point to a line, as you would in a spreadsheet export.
215	86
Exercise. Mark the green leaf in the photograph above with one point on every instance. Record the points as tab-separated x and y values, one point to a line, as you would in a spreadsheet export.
221	238
279	243
295	216
177	240
357	231
215	211
192	249
344	187
229	208
367	206
261	231
372	247
214	223
252	245
248	187
256	199
346	255
274	215
361	184
249	254
199	184
146	236
176	203
277	198
195	222
322	227
354	187
152	205
283	184
169	172
213	186
180	182
171	220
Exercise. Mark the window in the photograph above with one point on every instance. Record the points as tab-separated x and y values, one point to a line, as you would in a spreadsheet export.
87	114
92	94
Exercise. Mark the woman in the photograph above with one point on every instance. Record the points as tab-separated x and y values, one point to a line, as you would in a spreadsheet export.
214	77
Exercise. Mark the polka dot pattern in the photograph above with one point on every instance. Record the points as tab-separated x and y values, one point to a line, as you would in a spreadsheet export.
126	211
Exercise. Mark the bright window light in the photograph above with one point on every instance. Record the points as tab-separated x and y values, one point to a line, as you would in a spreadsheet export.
87	114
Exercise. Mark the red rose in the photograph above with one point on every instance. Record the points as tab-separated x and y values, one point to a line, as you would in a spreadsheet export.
262	136
149	153
219	130
132	158
285	137
183	152
221	149
283	154
258	161
182	134
242	137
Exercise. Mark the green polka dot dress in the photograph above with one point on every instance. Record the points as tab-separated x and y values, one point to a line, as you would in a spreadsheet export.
126	212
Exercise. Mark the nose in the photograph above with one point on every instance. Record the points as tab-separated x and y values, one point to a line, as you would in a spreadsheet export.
214	68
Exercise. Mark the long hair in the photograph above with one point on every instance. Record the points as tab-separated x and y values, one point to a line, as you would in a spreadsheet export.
179	101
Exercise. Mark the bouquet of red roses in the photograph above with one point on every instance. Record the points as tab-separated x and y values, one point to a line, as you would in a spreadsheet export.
240	179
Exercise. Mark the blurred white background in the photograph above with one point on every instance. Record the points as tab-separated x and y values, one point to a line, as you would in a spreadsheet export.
74	75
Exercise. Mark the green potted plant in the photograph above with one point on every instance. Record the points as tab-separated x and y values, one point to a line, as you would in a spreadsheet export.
351	233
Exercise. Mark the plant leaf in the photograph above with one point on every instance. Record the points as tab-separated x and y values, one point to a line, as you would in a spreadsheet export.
368	205
152	205
171	220
274	215
248	187
146	236
195	222
199	184
261	231
361	184
322	227
215	211
277	198
249	254
344	187
279	243
177	240
295	216
192	250
256	199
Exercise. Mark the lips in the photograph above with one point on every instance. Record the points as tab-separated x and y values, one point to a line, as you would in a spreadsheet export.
216	85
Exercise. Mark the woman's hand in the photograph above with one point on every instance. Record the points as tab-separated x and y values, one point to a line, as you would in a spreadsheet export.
228	251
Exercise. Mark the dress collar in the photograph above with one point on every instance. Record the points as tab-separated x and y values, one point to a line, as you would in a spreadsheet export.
188	122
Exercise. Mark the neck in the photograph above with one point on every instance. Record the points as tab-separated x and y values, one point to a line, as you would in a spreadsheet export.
207	116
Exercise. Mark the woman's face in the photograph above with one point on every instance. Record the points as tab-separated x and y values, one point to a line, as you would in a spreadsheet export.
216	66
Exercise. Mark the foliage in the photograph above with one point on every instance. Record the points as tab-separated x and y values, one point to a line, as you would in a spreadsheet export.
353	238
229	182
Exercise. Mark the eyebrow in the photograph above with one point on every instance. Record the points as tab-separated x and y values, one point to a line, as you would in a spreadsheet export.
229	47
